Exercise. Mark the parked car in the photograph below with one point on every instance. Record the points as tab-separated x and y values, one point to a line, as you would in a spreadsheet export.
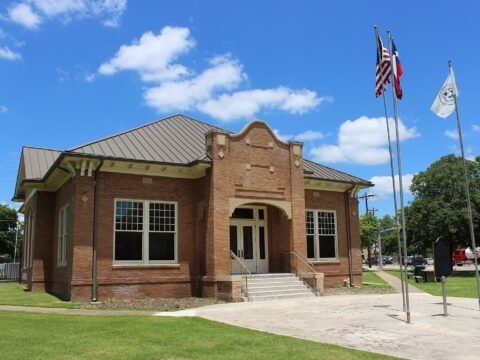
415	260
388	260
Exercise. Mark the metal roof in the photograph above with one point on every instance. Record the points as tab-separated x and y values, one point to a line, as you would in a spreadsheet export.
37	161
317	171
177	139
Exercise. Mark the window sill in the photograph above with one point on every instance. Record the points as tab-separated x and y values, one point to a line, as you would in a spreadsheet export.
325	262
145	266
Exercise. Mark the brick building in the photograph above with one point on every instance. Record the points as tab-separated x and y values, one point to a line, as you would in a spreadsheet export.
175	207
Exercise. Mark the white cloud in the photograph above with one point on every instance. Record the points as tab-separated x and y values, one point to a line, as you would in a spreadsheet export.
215	91
383	185
152	55
245	104
7	54
193	93
24	15
283	137
452	134
476	128
306	136
3	109
57	7
310	135
362	141
31	13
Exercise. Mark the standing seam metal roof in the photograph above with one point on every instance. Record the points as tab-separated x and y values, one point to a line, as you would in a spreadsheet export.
176	139
37	161
322	172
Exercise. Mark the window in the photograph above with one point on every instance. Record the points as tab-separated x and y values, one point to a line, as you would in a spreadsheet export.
321	234
62	236
145	232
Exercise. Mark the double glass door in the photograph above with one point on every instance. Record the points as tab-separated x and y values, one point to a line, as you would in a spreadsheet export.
248	240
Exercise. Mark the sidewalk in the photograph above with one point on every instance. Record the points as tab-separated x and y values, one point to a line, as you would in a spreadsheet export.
396	283
367	322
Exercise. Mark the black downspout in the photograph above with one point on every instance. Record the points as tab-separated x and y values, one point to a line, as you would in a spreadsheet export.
94	242
349	235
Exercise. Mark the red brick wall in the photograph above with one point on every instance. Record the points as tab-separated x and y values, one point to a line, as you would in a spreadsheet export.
42	244
252	165
336	271
59	277
82	237
278	240
129	280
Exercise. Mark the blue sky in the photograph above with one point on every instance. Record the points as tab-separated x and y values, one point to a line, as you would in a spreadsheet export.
73	71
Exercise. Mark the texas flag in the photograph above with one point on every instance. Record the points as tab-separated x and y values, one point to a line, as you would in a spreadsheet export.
397	71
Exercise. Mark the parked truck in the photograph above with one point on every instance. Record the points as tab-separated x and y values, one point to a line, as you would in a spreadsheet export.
465	256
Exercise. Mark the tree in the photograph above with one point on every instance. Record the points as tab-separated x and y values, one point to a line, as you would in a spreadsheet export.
389	238
369	226
439	206
8	227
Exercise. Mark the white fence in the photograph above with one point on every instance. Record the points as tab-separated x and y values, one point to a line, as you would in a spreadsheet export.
10	272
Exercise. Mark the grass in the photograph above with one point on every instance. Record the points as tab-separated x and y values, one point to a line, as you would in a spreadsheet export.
372	280
14	294
42	336
458	285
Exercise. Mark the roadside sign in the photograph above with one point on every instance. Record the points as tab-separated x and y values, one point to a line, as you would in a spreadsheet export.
442	258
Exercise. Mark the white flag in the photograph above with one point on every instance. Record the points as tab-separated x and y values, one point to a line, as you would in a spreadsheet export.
444	103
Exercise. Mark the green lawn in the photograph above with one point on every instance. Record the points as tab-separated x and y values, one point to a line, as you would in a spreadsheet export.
372	280
14	294
42	336
457	285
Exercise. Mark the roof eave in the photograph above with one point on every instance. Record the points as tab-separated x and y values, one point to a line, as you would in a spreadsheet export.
364	185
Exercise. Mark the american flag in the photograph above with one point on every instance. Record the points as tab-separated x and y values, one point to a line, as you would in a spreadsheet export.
384	68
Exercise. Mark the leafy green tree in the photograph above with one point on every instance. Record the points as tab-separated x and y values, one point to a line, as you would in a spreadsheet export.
389	238
369	226
8	224
439	206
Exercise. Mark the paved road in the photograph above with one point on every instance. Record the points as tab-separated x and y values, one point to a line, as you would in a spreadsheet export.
367	322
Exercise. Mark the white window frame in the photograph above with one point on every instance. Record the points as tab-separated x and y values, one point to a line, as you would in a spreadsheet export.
62	236
316	234
145	233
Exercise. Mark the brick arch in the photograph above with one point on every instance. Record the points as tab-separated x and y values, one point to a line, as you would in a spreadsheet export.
284	206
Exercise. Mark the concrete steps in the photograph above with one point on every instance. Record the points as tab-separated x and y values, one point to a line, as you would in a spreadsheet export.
276	286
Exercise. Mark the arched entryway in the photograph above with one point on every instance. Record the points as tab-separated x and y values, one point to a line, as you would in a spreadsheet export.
259	234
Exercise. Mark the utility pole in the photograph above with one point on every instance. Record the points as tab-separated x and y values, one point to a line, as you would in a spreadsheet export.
373	211
366	196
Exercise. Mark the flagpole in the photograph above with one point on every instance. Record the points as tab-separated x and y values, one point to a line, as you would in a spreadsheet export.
467	186
400	184
392	170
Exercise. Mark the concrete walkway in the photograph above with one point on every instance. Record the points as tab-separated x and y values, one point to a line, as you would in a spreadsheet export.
367	322
396	283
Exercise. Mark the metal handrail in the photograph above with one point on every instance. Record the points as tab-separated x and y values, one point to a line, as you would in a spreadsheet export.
305	275
245	272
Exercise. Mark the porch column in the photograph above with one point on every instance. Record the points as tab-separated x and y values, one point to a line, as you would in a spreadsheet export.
297	190
217	249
